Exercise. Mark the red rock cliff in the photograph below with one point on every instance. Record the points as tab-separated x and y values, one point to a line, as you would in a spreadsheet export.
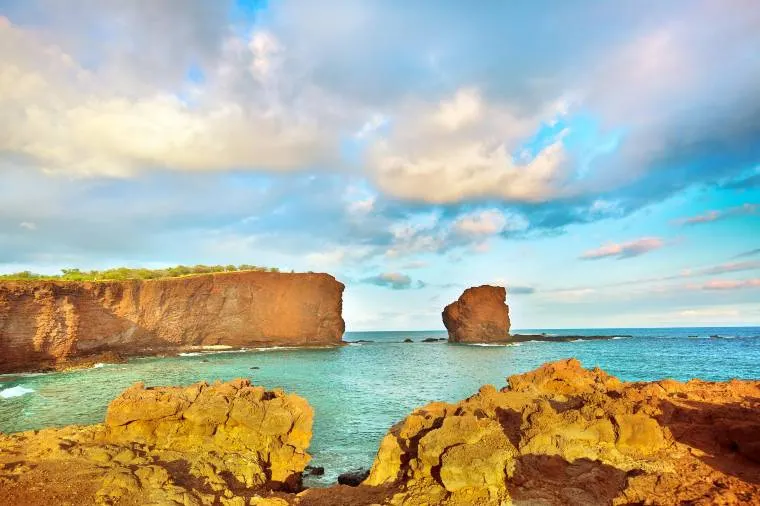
480	315
49	322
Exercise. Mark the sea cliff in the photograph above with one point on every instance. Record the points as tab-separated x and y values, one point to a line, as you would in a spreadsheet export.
50	323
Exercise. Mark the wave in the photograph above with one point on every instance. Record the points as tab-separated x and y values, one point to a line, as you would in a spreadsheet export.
98	365
16	391
190	354
617	338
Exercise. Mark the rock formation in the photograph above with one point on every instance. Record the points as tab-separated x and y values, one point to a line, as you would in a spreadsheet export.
560	435
480	315
46	323
192	446
563	435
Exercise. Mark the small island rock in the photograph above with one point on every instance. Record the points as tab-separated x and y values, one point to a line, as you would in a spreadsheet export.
480	315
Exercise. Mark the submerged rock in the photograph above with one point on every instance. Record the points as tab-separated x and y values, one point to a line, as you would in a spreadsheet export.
315	470
480	315
353	478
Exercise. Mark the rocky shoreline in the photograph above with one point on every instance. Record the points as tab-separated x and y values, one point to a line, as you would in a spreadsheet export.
558	435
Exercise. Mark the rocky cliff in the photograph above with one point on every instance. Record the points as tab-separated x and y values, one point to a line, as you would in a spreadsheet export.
197	445
480	315
45	323
564	435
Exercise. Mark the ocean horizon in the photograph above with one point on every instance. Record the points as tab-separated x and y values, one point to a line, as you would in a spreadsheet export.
360	390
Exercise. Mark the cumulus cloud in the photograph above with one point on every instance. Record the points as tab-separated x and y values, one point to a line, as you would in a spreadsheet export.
393	280
624	250
67	118
711	216
462	148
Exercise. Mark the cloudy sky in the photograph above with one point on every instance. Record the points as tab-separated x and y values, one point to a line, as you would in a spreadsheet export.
600	159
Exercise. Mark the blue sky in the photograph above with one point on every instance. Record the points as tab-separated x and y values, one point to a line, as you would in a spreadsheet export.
600	159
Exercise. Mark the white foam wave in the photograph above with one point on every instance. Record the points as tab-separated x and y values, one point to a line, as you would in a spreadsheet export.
16	391
98	365
190	354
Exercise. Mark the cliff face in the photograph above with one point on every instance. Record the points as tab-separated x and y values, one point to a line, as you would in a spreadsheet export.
480	315
47	322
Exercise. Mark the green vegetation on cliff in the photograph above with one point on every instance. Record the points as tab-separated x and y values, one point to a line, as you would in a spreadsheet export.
122	273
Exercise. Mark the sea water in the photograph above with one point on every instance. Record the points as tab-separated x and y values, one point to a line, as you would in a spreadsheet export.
359	391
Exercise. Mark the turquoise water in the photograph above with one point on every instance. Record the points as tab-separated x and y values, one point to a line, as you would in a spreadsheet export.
358	391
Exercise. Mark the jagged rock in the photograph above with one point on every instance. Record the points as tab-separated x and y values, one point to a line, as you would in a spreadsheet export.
559	435
480	315
566	435
46	324
158	445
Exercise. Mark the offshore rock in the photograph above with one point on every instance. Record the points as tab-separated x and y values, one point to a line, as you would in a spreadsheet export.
171	445
480	315
564	435
53	323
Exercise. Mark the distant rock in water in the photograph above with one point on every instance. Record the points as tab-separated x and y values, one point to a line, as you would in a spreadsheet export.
433	339
47	324
315	470
480	315
407	340
353	478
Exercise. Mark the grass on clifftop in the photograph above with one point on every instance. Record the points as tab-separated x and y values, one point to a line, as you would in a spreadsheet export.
122	273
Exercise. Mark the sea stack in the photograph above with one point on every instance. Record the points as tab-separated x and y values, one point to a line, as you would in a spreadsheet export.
480	315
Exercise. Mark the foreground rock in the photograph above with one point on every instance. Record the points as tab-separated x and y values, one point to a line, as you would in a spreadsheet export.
202	444
560	435
480	315
564	435
52	323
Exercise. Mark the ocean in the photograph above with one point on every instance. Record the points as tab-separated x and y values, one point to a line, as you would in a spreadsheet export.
359	391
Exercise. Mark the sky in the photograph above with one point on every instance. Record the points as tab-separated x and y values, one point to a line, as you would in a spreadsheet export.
599	159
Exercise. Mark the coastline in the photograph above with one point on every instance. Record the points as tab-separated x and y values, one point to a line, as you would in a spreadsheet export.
662	441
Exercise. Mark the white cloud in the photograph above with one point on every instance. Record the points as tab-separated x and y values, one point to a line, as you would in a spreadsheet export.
73	120
462	148
28	225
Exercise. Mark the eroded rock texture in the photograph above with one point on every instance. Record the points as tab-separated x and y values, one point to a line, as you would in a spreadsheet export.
480	315
202	444
47	323
560	435
563	435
